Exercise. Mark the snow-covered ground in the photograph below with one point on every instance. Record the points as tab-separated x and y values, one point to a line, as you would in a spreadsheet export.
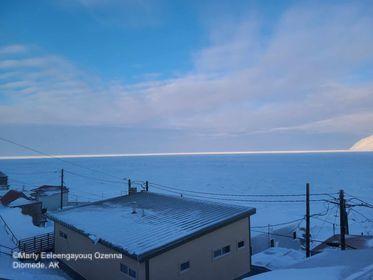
225	174
329	265
277	257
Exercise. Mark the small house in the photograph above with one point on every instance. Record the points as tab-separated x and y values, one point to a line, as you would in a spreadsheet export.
50	196
148	235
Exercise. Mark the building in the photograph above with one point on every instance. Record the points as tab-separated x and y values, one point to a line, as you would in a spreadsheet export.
29	206
50	196
3	181
352	242
159	236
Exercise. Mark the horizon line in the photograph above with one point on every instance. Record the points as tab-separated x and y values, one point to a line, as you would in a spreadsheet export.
181	154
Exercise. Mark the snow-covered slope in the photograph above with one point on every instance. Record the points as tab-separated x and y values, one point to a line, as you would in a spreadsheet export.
365	144
329	265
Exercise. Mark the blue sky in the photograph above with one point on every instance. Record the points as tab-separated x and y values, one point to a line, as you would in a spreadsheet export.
190	76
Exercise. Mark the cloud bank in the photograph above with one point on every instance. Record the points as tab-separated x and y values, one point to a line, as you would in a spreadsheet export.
309	74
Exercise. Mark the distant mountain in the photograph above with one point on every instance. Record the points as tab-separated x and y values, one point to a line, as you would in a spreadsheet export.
365	144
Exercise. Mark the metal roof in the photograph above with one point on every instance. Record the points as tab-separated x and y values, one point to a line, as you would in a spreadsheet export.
161	222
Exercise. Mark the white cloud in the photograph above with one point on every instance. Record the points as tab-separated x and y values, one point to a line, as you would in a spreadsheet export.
123	13
298	79
12	49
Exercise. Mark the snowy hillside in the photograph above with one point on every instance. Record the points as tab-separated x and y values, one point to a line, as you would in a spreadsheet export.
365	144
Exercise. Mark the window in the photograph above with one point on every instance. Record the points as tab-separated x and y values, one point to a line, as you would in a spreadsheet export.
132	273
184	266
222	251
217	253
62	234
124	268
127	270
226	250
240	244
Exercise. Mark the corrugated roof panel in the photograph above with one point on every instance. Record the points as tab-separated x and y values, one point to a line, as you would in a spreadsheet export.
159	219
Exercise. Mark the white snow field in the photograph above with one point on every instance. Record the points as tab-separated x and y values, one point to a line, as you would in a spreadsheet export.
329	265
244	175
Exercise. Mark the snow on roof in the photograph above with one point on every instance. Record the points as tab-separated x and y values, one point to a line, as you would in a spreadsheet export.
160	221
10	196
48	190
21	202
319	273
278	257
352	242
330	264
21	225
3	192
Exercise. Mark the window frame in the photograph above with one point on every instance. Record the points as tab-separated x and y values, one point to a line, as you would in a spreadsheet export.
129	273
225	253
222	253
185	269
124	265
238	244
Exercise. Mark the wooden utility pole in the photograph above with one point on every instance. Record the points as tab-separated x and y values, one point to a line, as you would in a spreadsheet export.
346	218
146	186
62	188
129	186
342	220
308	231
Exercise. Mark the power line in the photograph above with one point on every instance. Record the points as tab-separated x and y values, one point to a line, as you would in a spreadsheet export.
280	224
31	173
236	199
282	235
354	197
94	178
56	157
178	190
362	215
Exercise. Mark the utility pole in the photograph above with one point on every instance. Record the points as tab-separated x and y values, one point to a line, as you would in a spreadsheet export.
129	186
308	231
342	220
146	186
62	188
346	218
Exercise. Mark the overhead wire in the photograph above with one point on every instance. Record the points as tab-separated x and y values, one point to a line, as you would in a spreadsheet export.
57	158
235	195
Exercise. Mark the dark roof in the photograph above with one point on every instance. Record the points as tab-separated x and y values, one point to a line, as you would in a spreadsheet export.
10	196
352	242
3	174
161	222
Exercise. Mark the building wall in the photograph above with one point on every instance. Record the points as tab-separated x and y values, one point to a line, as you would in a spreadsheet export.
53	201
4	183
33	210
199	252
97	269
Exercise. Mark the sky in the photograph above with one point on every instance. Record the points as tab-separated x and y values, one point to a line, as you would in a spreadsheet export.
119	76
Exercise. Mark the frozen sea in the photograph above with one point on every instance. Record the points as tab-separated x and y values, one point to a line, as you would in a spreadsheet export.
226	174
